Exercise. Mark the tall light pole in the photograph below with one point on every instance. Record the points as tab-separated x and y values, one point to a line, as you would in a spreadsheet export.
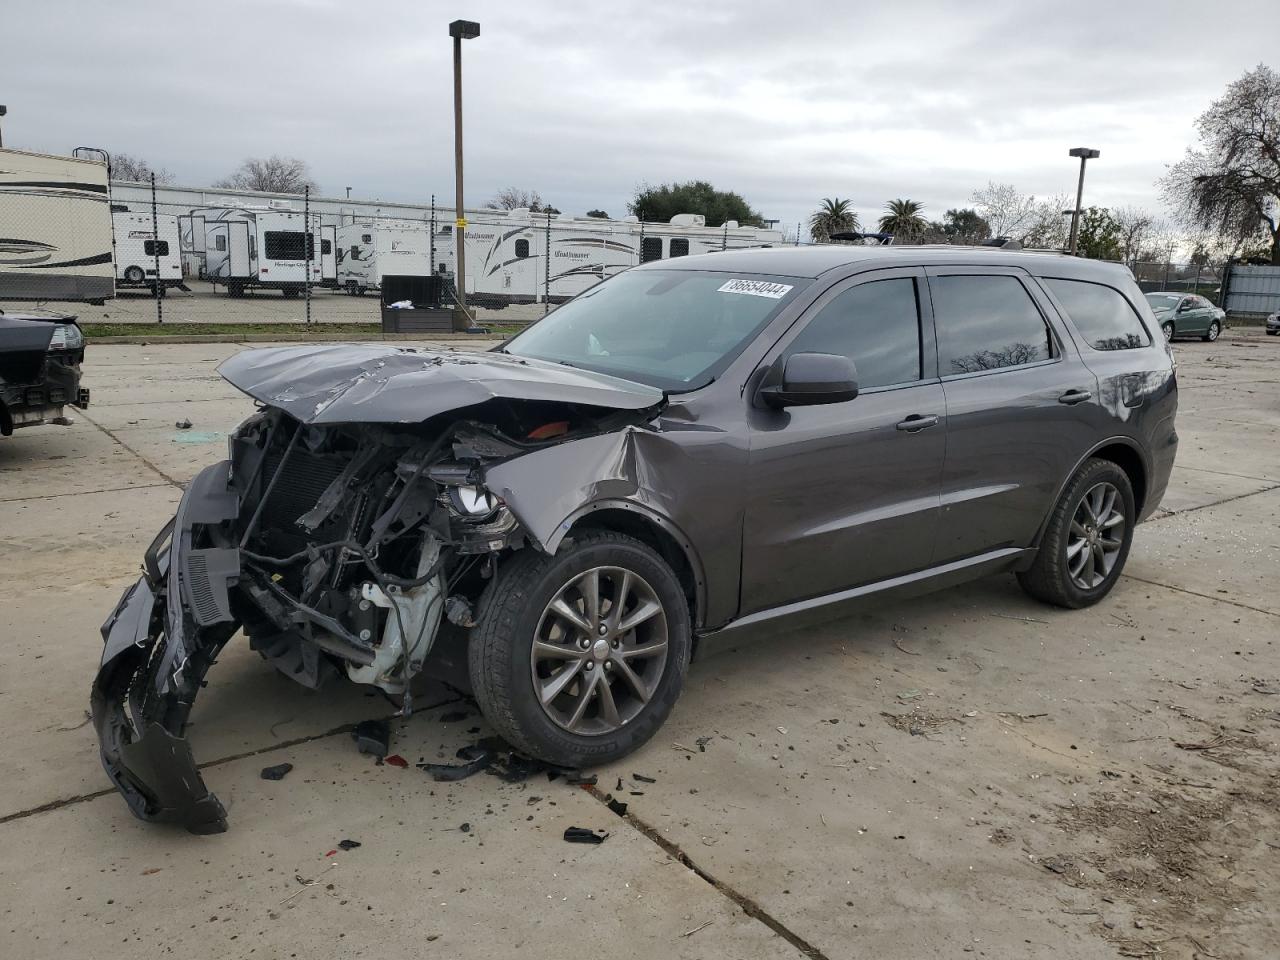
348	193
3	111
1085	154
460	30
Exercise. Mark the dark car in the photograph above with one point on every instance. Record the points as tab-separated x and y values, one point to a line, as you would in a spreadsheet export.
40	358
690	448
1186	315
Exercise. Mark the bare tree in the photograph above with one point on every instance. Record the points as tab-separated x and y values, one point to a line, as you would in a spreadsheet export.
274	174
1136	230
1230	183
1008	211
515	198
1049	229
125	166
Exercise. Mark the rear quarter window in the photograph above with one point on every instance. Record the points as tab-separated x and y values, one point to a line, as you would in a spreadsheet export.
1101	314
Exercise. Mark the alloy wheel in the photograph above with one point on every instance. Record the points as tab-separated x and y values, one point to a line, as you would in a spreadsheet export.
1167	329
1214	330
599	651
1096	536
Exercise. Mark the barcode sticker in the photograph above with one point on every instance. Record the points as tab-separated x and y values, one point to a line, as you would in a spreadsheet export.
756	288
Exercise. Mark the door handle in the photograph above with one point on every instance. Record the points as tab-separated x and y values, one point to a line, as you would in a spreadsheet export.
1072	397
915	423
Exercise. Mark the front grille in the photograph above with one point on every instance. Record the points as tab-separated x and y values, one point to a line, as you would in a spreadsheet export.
306	476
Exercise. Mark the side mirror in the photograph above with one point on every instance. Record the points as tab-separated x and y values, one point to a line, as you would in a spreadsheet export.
809	379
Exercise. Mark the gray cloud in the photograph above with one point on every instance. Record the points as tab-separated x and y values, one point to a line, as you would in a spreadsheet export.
785	102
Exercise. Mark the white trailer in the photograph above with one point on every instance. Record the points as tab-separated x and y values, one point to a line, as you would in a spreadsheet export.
260	248
369	251
137	249
328	255
507	253
55	228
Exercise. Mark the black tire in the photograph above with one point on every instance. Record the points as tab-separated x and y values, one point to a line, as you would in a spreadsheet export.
134	275
351	288
1048	579
500	648
1167	329
1211	334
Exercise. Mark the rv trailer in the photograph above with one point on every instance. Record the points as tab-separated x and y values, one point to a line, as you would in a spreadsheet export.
368	251
137	249
507	253
260	248
328	255
56	240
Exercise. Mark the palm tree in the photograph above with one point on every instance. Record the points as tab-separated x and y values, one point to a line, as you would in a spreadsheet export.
834	216
903	220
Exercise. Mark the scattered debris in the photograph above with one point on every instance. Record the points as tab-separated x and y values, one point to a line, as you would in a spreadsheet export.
1005	616
183	424
702	744
899	645
617	806
348	844
1268	687
583	835
277	772
475	758
1057	864
681	746
1218	741
306	883
641	778
372	737
918	723
581	779
701	926
1021	716
396	760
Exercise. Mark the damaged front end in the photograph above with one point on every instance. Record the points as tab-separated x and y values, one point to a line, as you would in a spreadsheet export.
336	544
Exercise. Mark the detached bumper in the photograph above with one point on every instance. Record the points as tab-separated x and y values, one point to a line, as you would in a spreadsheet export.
159	642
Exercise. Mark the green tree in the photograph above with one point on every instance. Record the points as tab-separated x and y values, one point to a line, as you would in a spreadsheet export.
904	219
833	216
965	226
659	204
1230	182
1100	234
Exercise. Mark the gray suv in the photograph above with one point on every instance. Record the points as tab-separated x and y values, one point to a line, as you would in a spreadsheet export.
689	449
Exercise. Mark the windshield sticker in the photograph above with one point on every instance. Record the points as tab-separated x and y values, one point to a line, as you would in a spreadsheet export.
756	288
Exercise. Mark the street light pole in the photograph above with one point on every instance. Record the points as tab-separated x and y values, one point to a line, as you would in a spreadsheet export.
1085	154
348	193
460	30
3	111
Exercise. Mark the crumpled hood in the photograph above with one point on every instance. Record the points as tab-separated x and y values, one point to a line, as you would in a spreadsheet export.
375	383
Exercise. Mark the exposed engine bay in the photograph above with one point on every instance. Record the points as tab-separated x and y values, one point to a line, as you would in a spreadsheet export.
336	547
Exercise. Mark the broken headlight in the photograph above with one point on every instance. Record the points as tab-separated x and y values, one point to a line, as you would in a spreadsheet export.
474	503
66	336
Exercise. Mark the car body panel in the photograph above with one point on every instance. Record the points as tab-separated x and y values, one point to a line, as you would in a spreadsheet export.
37	381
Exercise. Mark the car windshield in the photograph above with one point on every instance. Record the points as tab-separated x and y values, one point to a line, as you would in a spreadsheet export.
672	329
1163	301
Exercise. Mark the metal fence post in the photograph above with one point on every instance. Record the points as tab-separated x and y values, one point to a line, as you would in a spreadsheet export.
432	241
157	288
724	240
640	249
546	269
309	241
797	233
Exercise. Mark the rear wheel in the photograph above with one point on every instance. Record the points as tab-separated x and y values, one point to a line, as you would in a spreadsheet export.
1087	540
579	658
134	275
1167	329
1211	334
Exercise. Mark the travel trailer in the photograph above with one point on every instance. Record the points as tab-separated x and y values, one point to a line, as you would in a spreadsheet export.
138	250
247	248
328	255
507	252
56	238
370	250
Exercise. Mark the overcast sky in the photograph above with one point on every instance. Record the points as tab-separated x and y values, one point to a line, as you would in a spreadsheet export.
785	101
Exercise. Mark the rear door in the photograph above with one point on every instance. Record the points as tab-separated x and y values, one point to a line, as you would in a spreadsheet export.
238	249
1021	408
846	494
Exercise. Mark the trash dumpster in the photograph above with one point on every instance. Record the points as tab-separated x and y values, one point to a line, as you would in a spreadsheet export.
411	304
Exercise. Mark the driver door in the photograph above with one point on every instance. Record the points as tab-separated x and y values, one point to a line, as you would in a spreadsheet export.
846	494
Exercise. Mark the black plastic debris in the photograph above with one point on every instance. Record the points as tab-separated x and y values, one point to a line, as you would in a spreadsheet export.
183	424
277	772
617	806
581	779
348	844
642	778
465	828
476	758
372	737
702	744
583	835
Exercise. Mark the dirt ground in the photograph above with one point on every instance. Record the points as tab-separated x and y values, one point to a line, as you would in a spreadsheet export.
966	774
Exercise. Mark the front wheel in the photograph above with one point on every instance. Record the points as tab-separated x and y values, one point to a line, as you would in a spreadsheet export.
134	275
1087	539
1167	329
579	658
1211	334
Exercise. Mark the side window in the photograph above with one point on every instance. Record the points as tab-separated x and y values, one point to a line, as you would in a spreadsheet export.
522	248
149	248
650	249
366	238
1104	317
679	246
987	323
326	247
220	242
876	325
